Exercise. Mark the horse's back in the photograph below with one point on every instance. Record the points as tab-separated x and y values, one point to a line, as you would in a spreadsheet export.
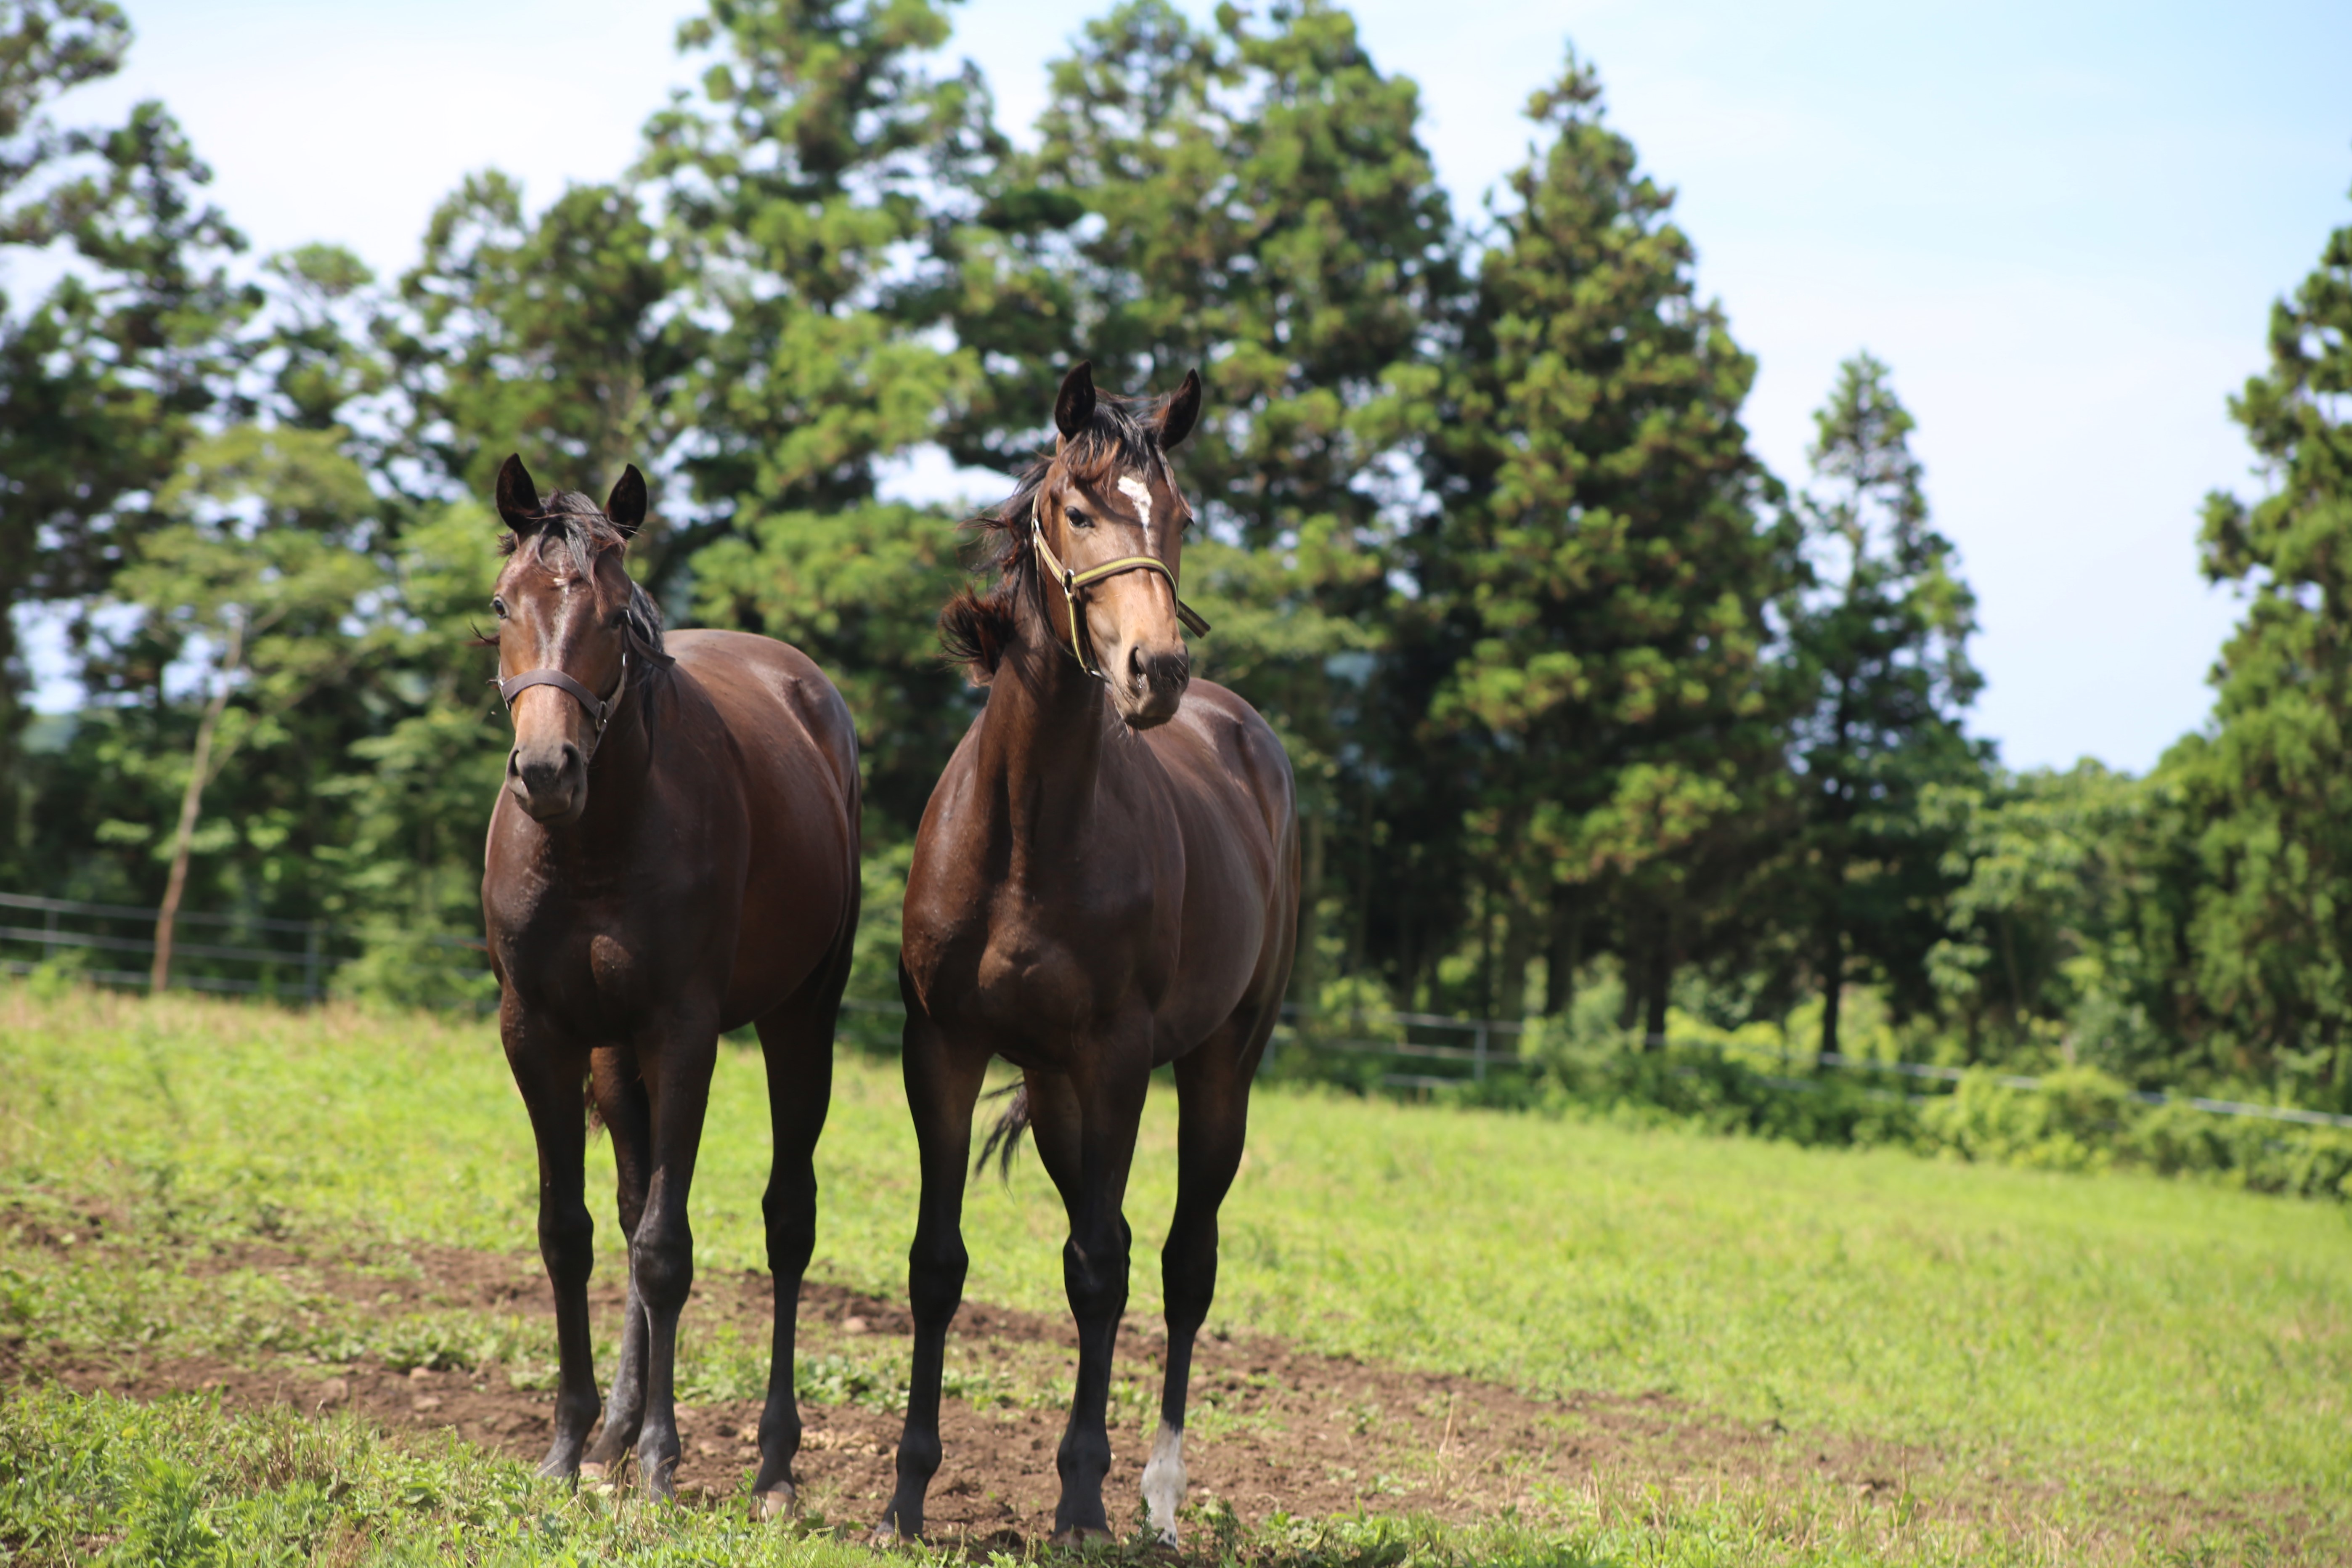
1217	745
799	751
1236	808
766	690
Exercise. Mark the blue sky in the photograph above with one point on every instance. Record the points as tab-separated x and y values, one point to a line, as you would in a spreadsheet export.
2063	225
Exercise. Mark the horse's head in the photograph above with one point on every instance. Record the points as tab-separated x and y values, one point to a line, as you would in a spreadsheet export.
1111	522
570	627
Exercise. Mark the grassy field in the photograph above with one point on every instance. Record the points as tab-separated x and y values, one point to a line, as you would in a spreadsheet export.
2059	1349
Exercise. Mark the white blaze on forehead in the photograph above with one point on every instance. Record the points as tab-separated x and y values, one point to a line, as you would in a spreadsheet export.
1138	492
1163	1483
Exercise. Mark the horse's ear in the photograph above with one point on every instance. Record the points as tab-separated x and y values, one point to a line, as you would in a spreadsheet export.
1074	406
1177	420
627	505
518	497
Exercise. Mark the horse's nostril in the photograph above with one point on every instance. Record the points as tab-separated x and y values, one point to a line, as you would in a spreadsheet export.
1135	667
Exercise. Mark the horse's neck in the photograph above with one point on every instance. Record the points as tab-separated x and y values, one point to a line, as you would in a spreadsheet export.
1040	751
620	779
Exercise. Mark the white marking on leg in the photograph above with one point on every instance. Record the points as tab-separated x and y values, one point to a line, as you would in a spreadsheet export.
1163	1483
1138	492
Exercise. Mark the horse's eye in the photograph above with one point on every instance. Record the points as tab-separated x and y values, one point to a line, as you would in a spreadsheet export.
499	604
1077	516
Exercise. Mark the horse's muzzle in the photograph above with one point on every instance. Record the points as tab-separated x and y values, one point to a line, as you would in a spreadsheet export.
550	782
1149	687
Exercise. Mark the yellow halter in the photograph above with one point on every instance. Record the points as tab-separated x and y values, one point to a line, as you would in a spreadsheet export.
1071	582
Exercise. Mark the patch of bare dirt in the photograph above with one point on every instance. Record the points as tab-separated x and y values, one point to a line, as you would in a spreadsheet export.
1273	1429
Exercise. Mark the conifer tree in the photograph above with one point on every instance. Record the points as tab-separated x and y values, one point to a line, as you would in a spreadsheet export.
1252	200
1602	570
1882	644
798	195
102	379
548	335
2271	783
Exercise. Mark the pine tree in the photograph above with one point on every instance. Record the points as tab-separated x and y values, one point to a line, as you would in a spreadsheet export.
799	195
1882	643
1600	571
2271	783
102	379
1252	200
553	335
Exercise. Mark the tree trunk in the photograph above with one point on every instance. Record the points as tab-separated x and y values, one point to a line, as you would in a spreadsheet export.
1567	954
1305	984
1832	985
159	973
1661	976
1521	938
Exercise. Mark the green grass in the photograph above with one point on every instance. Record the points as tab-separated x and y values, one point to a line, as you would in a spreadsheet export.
2094	1336
177	1484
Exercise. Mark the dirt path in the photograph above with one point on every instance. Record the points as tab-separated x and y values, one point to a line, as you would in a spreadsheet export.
1273	1429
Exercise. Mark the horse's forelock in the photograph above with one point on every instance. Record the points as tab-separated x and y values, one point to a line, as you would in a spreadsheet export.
576	523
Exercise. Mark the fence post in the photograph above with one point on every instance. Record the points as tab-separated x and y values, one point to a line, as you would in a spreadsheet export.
48	936
311	940
1478	1070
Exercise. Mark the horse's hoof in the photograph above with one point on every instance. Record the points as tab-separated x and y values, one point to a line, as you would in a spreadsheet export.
598	1478
1082	1535
886	1537
777	1502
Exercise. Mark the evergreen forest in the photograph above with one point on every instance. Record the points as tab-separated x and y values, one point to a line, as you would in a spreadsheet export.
1596	720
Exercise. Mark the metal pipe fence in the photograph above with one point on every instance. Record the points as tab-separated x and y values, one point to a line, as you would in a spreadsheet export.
1485	1047
284	971
1483	1058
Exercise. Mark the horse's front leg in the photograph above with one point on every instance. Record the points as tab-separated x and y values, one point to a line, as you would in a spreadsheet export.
1110	1086
943	1080
661	1254
1213	1086
621	1100
549	1072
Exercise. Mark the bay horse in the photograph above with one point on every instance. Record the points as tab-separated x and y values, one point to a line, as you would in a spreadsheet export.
674	854
1106	882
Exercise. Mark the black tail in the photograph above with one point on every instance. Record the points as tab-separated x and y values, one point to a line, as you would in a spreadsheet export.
1004	1138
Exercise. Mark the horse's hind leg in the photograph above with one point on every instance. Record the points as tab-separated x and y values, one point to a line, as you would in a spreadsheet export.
1213	1086
942	1082
622	1102
797	1040
549	1073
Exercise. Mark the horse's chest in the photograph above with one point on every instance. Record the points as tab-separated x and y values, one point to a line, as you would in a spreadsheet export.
1023	978
590	973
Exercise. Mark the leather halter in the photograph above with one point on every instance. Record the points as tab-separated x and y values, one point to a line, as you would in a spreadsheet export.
1070	581
600	709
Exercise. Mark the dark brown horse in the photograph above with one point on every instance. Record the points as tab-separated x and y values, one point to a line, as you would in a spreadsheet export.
674	855
1106	882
